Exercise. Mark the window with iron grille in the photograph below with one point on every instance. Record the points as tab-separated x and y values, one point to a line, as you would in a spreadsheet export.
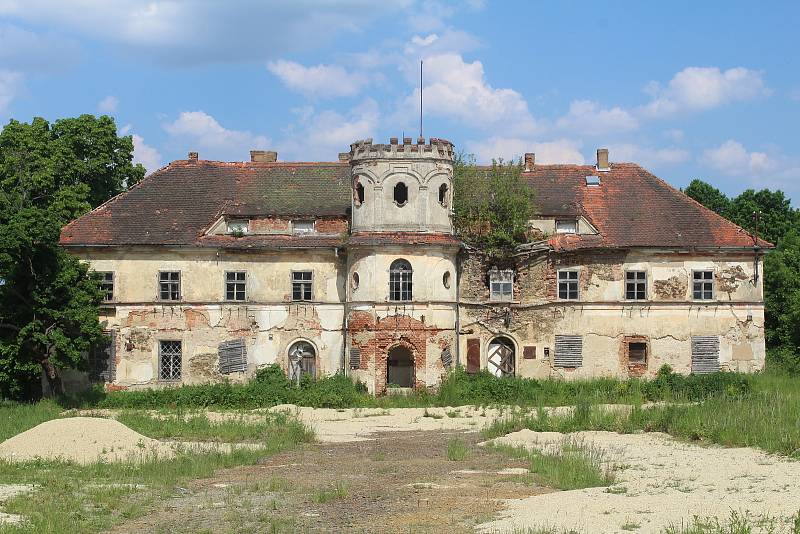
169	285
636	285
703	285
107	285
501	285
170	358
568	285
301	285
400	280
236	285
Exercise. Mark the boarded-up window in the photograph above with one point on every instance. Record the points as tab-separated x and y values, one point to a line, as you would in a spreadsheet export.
529	353
355	358
473	355
447	358
232	357
103	360
569	351
705	354
637	352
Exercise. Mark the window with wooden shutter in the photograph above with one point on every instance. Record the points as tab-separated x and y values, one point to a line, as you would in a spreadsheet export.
232	356
569	351
103	360
355	358
705	354
529	352
473	355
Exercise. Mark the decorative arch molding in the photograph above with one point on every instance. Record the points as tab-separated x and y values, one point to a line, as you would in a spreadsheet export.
435	173
367	174
389	176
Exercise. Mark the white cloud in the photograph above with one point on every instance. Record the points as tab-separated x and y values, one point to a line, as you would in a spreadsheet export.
556	151
108	105
10	87
450	40
25	51
148	156
647	156
205	32
675	135
588	118
199	130
319	81
733	159
321	135
458	90
700	88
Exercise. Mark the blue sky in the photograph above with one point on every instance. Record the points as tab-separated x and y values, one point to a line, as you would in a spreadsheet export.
687	89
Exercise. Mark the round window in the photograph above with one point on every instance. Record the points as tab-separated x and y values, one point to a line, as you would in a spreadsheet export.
446	279
355	281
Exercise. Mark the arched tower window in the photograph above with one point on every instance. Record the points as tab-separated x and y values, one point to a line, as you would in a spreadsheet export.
400	280
359	196
443	195
401	194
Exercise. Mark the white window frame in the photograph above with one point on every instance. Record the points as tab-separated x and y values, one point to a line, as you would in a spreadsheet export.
561	226
569	280
108	295
301	226
703	281
499	281
234	226
636	281
179	283
303	284
236	282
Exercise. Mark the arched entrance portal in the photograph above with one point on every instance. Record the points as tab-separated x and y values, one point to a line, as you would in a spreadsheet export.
501	357
302	361
400	367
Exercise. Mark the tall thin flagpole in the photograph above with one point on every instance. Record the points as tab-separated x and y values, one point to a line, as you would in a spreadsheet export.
420	98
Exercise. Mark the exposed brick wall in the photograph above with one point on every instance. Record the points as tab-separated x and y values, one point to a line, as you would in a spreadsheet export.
269	224
331	225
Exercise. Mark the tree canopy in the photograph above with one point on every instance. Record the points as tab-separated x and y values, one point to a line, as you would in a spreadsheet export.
49	175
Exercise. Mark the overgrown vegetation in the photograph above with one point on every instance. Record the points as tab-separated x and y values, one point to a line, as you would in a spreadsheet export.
271	387
737	523
492	205
779	224
457	450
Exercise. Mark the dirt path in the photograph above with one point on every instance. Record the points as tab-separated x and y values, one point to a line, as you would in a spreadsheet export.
398	482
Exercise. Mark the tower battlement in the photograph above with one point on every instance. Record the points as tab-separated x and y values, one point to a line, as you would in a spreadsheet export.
434	148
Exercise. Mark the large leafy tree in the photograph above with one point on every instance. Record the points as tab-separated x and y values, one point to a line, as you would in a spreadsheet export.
778	223
49	175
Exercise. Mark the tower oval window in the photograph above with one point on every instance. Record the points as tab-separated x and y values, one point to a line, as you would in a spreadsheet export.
355	281
446	279
400	194
443	195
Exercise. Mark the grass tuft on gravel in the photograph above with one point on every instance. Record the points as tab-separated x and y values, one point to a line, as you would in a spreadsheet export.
457	450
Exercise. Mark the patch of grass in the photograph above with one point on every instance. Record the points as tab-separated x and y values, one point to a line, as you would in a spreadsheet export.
457	450
737	523
629	526
73	498
19	417
339	491
426	413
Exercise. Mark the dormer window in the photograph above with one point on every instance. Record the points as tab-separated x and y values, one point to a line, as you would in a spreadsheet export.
302	227
566	226
238	226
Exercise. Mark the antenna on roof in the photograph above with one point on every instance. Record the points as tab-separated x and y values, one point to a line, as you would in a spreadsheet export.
420	98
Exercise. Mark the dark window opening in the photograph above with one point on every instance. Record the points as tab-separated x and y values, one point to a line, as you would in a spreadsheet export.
170	358
400	280
169	283
301	285
359	194
401	193
400	368
443	195
107	286
703	285
637	352
635	285
235	285
568	285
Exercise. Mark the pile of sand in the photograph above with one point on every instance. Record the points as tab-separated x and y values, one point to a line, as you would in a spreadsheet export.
661	481
86	440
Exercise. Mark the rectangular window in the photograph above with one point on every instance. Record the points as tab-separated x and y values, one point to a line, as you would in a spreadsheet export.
569	351
170	359
567	226
635	285
637	352
501	285
169	285
236	285
301	285
703	285
238	226
107	285
568	285
302	227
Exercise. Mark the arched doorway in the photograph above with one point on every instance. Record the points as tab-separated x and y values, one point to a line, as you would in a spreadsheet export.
501	360
400	367
302	360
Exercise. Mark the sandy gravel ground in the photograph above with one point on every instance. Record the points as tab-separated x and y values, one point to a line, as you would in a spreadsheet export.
87	440
6	492
661	481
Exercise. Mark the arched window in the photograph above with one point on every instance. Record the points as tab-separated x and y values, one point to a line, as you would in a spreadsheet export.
501	357
443	195
359	197
400	280
401	194
302	360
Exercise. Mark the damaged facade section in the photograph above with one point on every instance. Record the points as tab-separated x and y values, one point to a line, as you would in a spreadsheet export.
353	266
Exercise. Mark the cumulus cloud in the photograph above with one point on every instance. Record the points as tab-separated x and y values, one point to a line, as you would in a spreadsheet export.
700	88
547	152
206	32
145	154
10	87
318	81
589	118
108	105
648	156
197	129
732	158
322	134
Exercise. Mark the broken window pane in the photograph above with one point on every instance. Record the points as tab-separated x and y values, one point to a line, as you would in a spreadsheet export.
501	285
236	285
568	285
238	226
703	285
302	361
568	226
170	357
302	227
107	285
400	280
169	283
301	285
635	285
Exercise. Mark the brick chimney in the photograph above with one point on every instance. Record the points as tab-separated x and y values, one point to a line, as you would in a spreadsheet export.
263	156
192	157
530	161
602	160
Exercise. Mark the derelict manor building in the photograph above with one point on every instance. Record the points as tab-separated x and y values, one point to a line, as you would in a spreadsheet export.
215	269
